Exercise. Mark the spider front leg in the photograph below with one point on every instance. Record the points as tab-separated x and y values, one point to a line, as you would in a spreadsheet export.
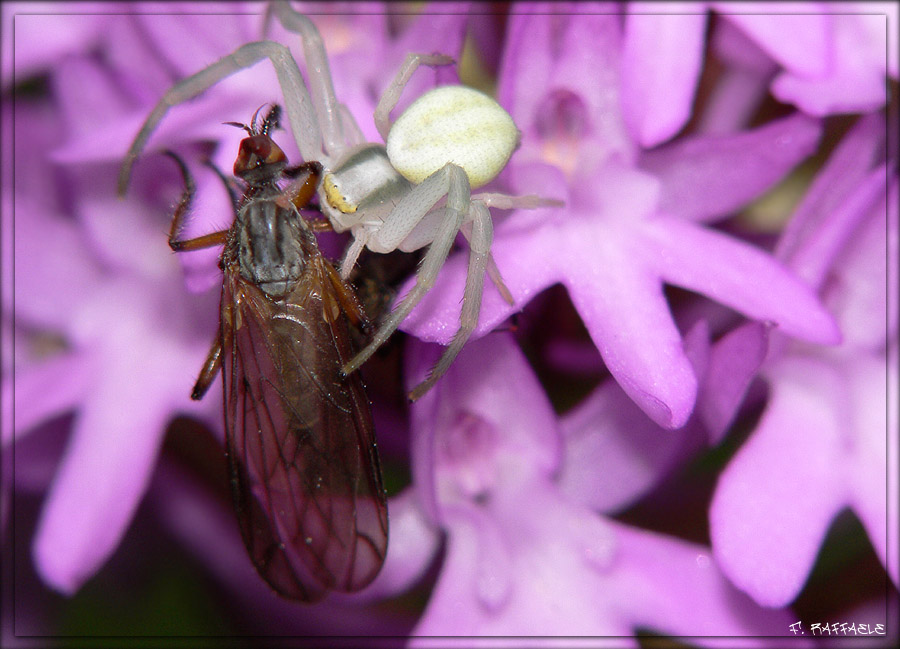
391	95
331	114
301	115
450	181
479	255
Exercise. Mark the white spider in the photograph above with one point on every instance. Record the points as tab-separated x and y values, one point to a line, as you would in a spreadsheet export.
389	196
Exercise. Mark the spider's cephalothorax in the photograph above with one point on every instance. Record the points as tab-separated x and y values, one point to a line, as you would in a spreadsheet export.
411	191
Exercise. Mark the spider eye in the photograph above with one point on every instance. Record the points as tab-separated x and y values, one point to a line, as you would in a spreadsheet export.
256	151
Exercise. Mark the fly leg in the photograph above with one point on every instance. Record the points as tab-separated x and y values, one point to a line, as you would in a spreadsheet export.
197	243
301	191
227	182
211	367
213	362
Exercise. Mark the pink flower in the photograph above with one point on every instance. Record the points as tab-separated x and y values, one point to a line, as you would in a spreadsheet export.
628	222
824	442
824	58
523	558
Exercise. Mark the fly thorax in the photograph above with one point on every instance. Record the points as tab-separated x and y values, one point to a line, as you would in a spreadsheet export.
362	187
271	245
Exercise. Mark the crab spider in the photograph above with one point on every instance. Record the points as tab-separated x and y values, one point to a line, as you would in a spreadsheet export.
415	190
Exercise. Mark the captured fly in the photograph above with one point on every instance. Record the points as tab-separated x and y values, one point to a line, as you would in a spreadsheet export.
299	435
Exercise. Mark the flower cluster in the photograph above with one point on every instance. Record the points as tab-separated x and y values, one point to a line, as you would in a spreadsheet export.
686	407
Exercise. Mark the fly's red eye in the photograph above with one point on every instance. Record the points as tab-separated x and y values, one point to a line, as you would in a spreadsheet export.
257	150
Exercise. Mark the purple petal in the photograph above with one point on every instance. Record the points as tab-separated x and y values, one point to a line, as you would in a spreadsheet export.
606	271
735	48
774	502
858	152
411	552
478	387
613	452
742	85
542	83
794	34
493	583
862	281
100	482
41	297
709	177
661	64
528	68
813	259
47	32
492	380
47	390
88	95
145	354
856	81
628	317
869	463
457	583
620	302
740	276
675	588
590	47
122	234
142	73
515	248
734	362
181	125
188	41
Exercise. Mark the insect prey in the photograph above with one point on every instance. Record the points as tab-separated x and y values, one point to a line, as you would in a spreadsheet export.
300	443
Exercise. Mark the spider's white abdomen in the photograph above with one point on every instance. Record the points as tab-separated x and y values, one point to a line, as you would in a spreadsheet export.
452	124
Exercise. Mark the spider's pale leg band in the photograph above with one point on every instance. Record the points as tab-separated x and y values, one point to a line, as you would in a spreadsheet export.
392	93
353	251
451	181
491	269
352	132
479	253
507	202
494	273
319	72
296	97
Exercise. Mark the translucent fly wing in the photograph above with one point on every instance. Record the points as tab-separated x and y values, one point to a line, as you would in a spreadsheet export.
301	450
